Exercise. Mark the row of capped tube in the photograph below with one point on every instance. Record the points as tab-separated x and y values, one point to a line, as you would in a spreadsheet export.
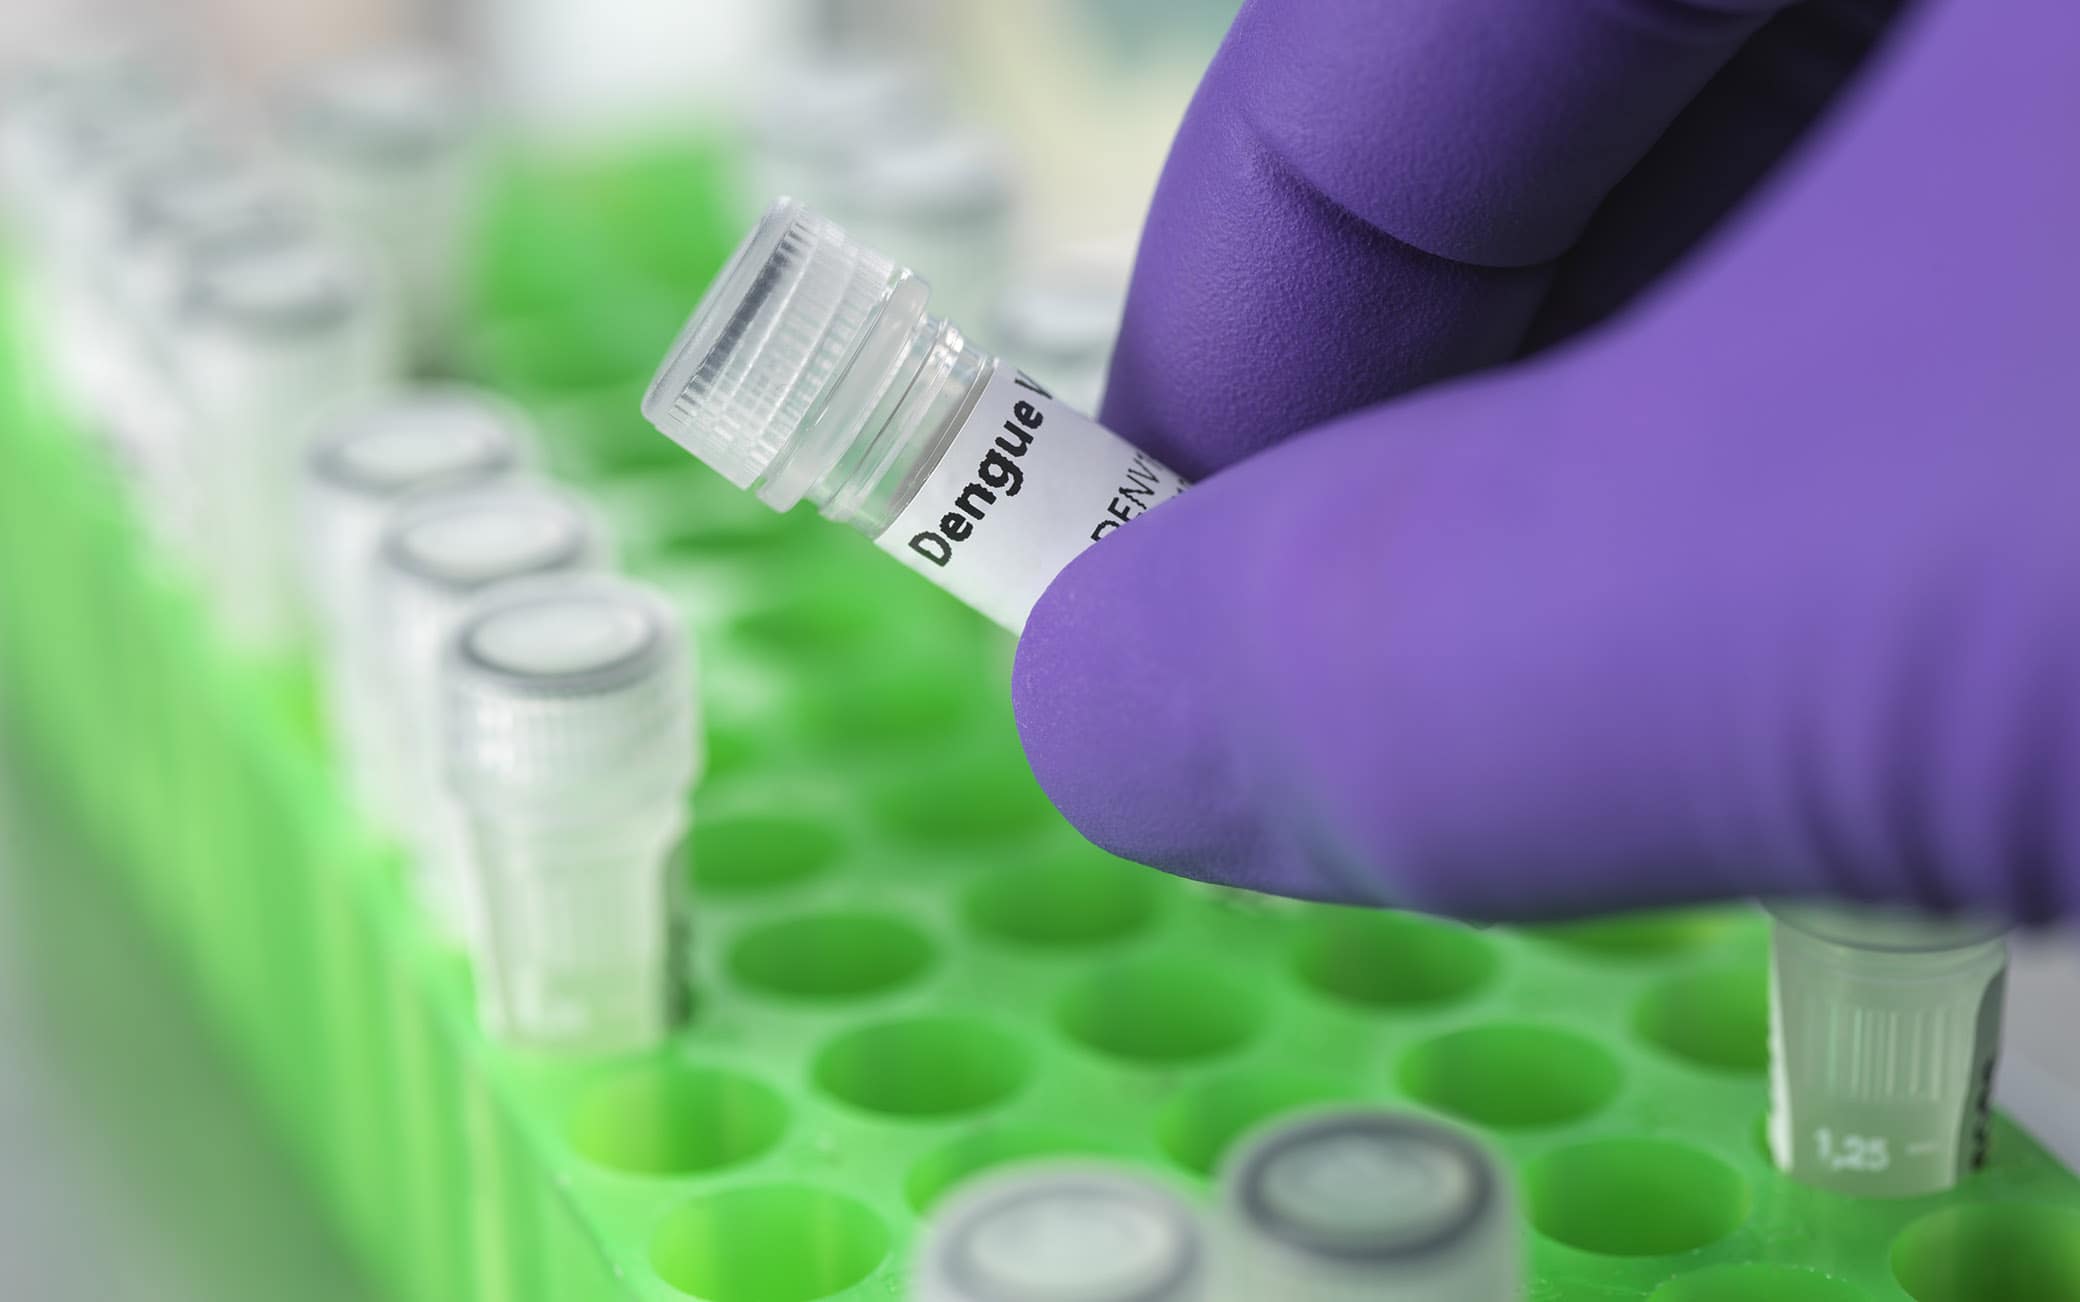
236	318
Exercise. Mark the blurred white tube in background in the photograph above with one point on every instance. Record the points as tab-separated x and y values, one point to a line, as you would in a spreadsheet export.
274	333
384	142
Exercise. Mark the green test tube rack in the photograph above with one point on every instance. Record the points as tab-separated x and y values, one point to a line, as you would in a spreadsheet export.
907	968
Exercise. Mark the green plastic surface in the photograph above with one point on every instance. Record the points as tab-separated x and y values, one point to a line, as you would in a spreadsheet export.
908	969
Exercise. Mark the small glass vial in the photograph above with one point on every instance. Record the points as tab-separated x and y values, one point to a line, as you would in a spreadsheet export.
1884	1034
356	474
383	142
812	369
438	554
273	335
1347	1204
570	729
1063	1232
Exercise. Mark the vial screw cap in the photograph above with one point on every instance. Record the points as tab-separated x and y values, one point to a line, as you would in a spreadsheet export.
1063	1232
566	692
756	363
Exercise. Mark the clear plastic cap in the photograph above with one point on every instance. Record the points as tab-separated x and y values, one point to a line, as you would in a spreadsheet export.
566	697
757	363
418	438
281	280
1063	1232
452	545
1340	1203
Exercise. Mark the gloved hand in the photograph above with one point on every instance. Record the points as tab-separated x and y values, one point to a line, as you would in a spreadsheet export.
1766	581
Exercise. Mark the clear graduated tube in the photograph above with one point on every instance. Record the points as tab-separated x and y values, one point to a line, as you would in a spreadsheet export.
813	370
1364	1205
569	721
1063	1232
437	555
1884	1034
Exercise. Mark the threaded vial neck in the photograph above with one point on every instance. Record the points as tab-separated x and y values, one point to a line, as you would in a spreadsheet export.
750	383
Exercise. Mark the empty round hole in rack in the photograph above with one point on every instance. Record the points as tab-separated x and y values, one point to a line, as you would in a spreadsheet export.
768	1243
1200	1125
676	1119
1070	902
1161	1010
1382	960
1634	1197
1985	1251
1717	1017
923	1067
1512	1076
738	854
840	954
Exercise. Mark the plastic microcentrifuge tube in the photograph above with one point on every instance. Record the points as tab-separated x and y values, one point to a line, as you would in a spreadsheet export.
384	143
811	369
437	555
1063	1232
273	337
356	473
179	211
1359	1203
1884	1033
570	728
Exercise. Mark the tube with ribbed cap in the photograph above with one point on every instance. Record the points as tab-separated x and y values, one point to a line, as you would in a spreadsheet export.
570	723
1064	1232
1351	1204
274	335
365	463
178	212
438	554
812	369
1885	1030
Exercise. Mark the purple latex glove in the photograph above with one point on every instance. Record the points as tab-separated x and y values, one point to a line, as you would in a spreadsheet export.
1768	582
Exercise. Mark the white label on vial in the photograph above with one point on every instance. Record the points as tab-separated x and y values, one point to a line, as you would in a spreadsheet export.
1025	485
